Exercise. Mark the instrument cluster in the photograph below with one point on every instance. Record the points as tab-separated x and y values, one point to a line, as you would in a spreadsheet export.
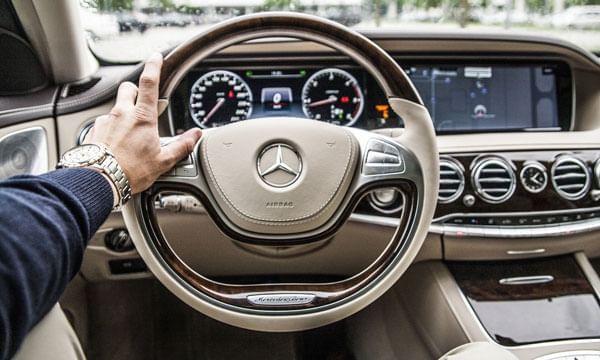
345	96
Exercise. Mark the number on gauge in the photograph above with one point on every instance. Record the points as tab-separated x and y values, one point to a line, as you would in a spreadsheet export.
218	98
332	95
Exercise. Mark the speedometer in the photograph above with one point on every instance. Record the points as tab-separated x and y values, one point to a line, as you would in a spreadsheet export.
332	95
220	97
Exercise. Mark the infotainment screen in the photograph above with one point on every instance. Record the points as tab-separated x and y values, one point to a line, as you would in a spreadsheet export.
475	98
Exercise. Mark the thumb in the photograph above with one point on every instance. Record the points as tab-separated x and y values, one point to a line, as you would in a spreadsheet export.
177	150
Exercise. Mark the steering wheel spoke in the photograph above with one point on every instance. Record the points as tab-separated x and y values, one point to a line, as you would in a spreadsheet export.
385	161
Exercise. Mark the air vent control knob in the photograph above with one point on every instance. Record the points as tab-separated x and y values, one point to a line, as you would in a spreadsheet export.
468	200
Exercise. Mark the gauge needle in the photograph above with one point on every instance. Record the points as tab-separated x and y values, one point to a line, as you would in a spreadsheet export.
220	102
329	100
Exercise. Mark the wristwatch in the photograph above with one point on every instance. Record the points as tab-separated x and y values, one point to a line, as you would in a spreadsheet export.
99	157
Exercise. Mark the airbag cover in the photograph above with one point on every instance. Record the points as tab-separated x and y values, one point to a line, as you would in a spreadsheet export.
279	175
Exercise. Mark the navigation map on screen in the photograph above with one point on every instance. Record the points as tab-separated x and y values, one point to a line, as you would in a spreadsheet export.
477	98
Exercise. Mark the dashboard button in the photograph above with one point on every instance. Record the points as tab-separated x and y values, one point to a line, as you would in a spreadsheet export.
506	221
126	266
524	220
537	221
551	219
458	221
488	221
473	221
565	218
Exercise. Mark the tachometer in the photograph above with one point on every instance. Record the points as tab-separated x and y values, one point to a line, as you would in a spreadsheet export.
332	95
218	98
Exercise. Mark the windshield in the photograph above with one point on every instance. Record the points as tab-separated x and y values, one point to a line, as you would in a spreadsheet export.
129	30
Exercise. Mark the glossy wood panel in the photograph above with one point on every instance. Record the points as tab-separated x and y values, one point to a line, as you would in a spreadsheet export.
564	308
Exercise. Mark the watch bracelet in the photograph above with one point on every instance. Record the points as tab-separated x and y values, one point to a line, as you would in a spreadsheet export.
113	170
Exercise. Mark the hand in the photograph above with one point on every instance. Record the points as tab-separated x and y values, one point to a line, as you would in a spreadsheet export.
130	131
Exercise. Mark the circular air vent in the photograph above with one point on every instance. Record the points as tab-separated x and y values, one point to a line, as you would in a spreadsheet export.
597	172
571	177
494	180
452	180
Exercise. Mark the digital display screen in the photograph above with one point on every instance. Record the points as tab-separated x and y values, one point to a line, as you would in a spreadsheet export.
481	98
461	97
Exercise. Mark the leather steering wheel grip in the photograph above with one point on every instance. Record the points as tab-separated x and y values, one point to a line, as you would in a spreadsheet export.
326	302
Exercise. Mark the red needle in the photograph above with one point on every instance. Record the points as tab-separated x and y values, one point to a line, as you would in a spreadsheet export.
329	100
220	102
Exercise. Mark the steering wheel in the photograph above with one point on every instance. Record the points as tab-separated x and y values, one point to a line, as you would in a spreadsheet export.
291	181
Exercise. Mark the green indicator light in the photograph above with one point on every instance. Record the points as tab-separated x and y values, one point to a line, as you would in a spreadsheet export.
248	73
302	72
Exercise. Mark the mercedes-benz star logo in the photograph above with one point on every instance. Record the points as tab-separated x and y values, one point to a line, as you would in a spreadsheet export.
279	165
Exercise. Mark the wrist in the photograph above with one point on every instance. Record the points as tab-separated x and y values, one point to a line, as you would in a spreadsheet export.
98	157
115	192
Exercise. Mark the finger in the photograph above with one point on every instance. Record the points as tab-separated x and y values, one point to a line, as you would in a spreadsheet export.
149	80
177	150
126	94
125	100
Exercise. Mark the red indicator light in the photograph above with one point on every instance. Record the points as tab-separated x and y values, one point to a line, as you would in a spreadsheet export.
345	99
230	94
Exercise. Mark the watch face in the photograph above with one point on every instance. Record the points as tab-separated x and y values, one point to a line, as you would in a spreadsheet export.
83	154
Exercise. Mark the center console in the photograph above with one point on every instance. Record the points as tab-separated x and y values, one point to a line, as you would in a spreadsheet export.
530	301
539	309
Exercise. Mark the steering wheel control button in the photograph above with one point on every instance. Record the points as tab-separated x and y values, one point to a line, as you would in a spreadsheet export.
186	171
382	158
279	165
281	299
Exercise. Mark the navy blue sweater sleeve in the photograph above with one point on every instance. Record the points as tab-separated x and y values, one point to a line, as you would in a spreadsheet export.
45	224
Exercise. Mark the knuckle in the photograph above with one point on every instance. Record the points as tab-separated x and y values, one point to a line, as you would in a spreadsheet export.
117	111
166	162
147	80
143	113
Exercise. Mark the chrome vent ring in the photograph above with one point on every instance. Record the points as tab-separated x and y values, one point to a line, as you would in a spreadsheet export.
494	180
452	180
571	177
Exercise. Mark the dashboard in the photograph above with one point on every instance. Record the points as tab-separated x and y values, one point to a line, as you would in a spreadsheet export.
509	188
461	96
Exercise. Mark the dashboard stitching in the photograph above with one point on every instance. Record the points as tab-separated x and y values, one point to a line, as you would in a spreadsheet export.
279	222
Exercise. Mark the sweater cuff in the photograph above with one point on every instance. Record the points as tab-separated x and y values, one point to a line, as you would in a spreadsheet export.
91	188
